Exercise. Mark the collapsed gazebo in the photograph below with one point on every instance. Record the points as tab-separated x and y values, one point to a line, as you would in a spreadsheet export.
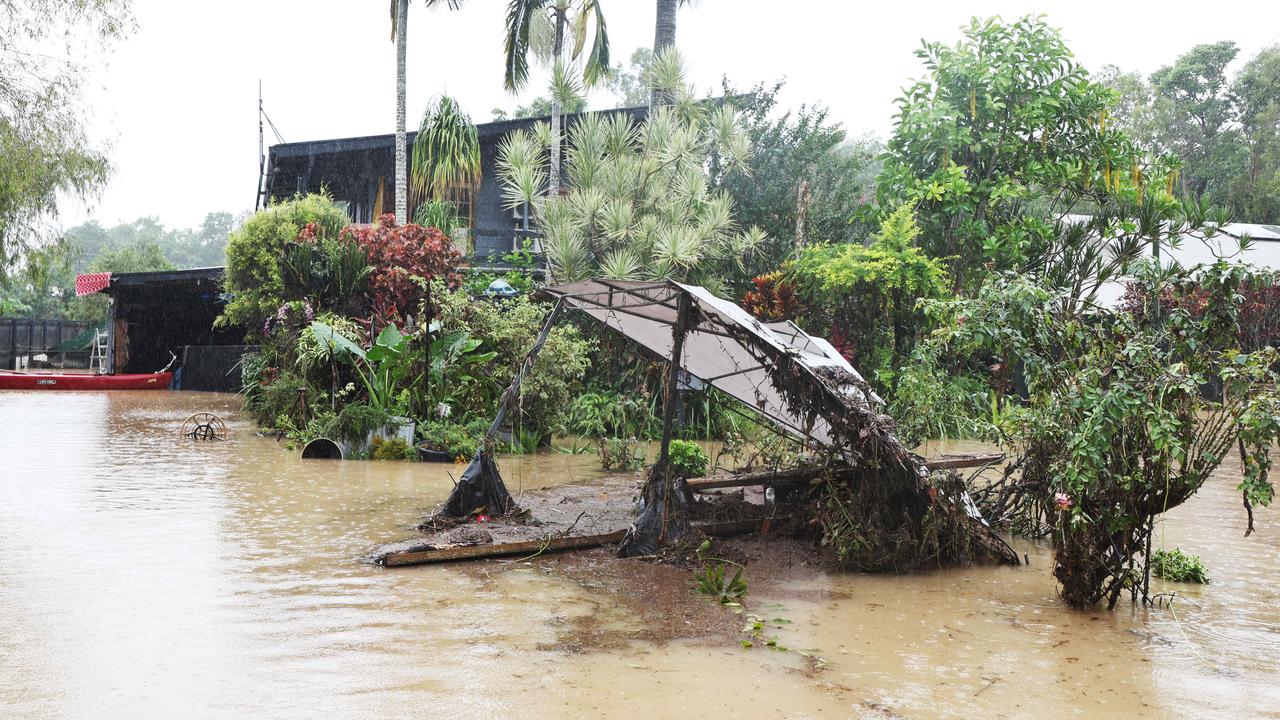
873	500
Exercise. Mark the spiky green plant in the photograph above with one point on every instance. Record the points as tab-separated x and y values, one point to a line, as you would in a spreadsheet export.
446	151
640	204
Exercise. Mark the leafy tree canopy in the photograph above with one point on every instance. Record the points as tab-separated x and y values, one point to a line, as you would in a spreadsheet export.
1004	133
43	147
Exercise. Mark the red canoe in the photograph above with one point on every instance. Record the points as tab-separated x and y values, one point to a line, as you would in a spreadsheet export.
83	381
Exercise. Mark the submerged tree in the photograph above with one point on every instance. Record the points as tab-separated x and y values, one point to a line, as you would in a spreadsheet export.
640	203
1119	427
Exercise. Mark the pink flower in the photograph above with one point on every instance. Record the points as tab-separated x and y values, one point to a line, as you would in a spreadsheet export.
1063	500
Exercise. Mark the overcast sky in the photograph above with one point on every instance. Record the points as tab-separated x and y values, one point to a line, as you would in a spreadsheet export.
177	100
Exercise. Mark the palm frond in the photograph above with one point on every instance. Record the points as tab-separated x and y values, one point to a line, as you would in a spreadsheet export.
596	67
520	15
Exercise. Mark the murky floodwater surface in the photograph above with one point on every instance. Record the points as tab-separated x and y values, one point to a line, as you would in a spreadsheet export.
145	576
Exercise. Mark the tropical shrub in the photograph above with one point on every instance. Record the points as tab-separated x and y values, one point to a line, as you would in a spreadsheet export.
457	439
508	327
1117	427
402	257
1177	566
621	454
870	294
353	423
772	297
393	449
254	251
687	459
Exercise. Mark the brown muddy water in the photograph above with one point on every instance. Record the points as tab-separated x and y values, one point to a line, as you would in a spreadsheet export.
142	576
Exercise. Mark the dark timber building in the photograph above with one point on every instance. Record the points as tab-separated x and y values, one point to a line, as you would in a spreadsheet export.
359	173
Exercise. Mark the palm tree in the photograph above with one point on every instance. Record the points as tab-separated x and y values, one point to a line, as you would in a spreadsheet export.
664	32
399	33
523	16
664	35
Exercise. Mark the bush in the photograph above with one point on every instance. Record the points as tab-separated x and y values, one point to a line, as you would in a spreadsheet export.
1178	566
402	256
687	459
354	423
509	328
254	252
869	293
393	449
621	454
456	439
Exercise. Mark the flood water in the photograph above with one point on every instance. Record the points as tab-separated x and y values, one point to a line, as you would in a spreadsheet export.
145	576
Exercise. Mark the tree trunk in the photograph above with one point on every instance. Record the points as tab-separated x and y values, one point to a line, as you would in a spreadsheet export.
664	35
664	517
553	171
802	211
402	160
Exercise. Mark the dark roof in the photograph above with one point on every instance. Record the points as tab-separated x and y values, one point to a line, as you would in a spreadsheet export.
165	277
373	142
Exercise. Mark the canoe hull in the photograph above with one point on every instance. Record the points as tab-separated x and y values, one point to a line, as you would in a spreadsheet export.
84	381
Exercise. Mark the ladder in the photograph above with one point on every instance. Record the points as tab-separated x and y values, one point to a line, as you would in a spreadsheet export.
98	355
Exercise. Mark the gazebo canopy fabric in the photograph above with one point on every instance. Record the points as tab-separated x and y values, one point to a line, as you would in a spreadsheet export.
726	347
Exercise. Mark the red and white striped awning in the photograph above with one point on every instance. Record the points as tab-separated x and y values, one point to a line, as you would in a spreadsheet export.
89	283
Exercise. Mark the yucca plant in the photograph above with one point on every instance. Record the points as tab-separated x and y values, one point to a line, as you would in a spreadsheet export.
639	204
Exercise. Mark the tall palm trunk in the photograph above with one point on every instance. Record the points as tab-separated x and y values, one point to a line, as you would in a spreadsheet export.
664	35
402	154
553	172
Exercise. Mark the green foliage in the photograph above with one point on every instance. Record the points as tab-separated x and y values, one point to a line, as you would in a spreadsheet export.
385	369
787	149
44	150
640	202
713	582
687	459
1178	566
254	252
1225	132
393	449
456	439
870	293
446	152
927	405
457	370
1006	131
353	423
520	276
1117	428
621	454
508	327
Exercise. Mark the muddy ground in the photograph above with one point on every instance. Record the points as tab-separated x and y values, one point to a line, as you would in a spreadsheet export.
640	599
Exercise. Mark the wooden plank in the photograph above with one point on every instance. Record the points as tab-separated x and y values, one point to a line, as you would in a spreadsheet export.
783	477
530	547
956	462
474	552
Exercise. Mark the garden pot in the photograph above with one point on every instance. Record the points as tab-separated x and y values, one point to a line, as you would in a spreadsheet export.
426	454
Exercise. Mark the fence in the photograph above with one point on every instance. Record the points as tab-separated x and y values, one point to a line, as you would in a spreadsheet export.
23	338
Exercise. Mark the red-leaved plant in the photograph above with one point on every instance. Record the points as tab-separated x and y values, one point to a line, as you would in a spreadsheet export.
398	255
773	298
